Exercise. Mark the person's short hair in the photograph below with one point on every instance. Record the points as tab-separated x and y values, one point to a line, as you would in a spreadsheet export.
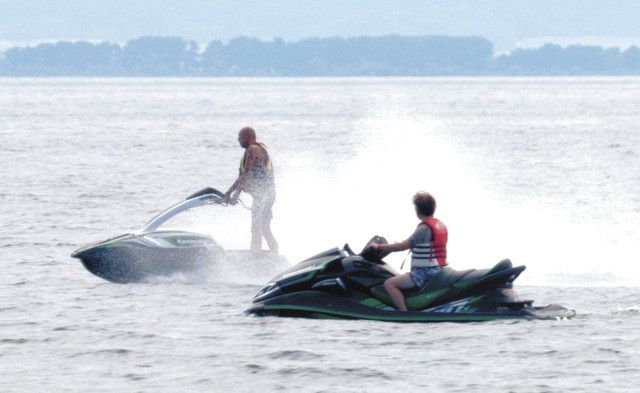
425	203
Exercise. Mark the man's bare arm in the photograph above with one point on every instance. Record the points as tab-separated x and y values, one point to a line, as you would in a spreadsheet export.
235	187
253	156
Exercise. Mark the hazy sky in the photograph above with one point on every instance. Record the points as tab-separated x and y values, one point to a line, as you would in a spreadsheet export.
505	22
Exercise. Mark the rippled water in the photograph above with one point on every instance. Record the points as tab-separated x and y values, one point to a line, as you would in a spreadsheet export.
545	171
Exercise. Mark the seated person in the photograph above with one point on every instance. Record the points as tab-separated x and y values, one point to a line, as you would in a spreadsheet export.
428	251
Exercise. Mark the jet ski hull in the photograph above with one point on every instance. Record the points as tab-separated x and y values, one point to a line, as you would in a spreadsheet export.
131	258
134	258
314	304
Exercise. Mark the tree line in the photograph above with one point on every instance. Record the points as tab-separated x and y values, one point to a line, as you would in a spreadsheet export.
360	56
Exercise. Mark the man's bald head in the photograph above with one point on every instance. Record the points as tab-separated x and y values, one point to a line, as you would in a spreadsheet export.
247	137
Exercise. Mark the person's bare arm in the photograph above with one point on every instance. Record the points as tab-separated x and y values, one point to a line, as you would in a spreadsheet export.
393	247
253	156
234	186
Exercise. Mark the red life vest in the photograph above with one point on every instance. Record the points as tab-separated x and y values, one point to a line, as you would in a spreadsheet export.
438	246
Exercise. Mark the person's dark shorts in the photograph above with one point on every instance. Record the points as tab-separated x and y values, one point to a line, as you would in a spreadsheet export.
262	207
422	275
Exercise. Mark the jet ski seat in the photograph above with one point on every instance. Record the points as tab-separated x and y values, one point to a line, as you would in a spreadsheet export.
448	279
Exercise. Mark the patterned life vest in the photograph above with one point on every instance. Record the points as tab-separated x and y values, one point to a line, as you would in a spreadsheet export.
433	252
260	176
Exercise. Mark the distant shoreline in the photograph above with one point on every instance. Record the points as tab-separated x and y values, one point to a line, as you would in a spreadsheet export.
379	56
355	77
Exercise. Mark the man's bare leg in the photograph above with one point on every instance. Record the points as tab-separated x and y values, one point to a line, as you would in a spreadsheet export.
256	237
268	236
393	287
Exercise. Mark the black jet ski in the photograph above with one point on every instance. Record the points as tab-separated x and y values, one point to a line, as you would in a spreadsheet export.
339	284
155	252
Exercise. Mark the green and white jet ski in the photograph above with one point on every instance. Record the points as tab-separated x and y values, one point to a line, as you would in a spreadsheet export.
339	284
159	252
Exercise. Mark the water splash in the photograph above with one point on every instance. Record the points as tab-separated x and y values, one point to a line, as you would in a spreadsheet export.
369	192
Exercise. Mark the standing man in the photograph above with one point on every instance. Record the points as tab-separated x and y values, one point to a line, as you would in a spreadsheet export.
256	179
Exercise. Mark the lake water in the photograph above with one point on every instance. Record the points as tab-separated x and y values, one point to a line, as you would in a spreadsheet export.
543	171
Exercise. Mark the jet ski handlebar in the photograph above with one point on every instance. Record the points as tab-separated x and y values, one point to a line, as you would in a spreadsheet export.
206	196
206	191
218	197
372	254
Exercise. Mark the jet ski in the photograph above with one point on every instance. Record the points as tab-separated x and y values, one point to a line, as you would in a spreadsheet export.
340	284
154	251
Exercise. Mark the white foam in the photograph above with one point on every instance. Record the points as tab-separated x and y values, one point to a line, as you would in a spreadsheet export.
370	192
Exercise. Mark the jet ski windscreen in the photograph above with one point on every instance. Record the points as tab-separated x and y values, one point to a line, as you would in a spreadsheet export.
372	254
